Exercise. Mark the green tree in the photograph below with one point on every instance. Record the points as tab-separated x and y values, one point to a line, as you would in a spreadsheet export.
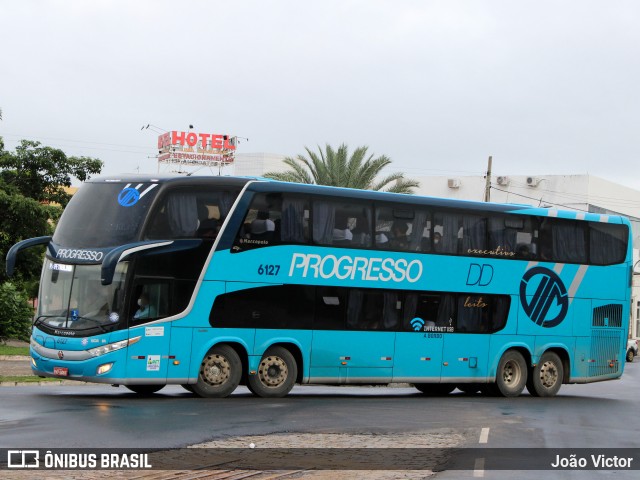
15	313
22	218
32	196
42	173
338	169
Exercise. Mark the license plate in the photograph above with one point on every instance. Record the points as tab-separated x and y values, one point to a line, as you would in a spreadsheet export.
61	371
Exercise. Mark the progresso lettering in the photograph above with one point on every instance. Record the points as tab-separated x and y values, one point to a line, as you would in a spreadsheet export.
72	254
356	268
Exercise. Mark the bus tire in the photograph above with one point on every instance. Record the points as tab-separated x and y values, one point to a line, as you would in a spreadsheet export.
546	377
630	356
187	387
276	374
511	377
220	373
145	389
435	389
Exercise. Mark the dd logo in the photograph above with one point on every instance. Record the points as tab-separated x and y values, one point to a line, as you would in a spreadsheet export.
480	275
549	303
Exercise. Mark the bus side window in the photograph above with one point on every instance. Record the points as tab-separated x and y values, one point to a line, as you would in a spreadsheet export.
449	227
294	223
421	305
331	308
607	243
341	224
482	313
372	310
151	301
472	309
261	225
569	241
474	234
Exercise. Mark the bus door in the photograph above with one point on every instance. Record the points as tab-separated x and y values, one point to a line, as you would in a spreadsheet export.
353	338
148	358
418	352
466	347
464	358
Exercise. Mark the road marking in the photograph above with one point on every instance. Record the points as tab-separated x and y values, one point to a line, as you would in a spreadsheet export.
478	468
484	435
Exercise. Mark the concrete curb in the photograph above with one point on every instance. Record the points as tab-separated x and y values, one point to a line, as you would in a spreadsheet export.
15	358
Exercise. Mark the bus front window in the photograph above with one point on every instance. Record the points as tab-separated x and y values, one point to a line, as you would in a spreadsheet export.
72	297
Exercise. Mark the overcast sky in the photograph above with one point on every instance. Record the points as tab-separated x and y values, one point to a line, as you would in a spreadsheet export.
546	87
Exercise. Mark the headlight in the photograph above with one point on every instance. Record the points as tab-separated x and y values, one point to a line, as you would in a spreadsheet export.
104	368
112	347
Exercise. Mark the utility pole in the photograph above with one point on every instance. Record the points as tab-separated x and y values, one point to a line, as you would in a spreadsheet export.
487	188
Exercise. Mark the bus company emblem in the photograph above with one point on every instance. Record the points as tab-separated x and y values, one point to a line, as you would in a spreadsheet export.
549	303
129	196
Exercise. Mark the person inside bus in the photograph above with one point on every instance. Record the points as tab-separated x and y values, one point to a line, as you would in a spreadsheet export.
399	235
341	233
146	310
262	227
437	242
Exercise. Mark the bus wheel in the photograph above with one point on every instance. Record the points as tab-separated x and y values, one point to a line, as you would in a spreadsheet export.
512	374
220	373
145	389
630	356
435	389
276	374
546	377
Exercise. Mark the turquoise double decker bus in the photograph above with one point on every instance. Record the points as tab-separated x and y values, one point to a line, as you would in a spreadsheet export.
215	282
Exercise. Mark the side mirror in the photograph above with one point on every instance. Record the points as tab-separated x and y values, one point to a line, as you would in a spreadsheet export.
12	254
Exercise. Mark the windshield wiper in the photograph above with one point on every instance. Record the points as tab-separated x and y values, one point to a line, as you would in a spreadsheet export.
98	322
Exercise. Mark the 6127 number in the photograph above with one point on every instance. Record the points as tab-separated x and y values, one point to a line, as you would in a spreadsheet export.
268	270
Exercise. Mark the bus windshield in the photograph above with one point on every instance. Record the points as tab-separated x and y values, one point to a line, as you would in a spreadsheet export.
105	215
73	298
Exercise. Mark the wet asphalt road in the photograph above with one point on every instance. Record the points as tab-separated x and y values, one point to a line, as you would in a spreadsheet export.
595	415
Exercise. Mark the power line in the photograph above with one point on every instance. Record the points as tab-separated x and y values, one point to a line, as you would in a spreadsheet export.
538	199
583	197
28	137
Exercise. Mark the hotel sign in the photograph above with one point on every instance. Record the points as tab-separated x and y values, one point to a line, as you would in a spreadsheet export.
191	148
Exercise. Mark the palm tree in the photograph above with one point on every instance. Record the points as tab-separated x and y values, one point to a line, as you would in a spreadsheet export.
336	168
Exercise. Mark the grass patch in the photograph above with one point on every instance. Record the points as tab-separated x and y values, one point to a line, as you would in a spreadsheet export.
28	379
8	350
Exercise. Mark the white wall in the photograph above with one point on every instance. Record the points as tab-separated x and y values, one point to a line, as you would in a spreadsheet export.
257	164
